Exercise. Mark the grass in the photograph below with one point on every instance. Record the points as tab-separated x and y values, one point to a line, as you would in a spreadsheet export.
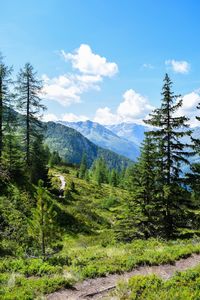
94	208
81	259
182	286
16	286
97	260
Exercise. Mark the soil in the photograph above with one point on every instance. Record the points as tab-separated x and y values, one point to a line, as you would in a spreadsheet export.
98	288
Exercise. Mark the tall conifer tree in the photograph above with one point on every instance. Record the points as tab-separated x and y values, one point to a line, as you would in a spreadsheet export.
5	81
169	130
28	90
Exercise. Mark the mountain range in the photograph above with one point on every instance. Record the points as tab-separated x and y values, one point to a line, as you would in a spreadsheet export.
129	131
124	140
71	145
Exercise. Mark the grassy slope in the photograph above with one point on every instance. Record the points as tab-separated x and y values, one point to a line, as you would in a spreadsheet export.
90	249
96	207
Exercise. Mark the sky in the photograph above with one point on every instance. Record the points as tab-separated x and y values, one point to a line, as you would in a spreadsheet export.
105	60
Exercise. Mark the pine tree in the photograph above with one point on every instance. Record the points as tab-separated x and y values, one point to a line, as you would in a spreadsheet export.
142	212
100	171
193	180
169	130
54	159
39	160
42	227
5	82
113	180
12	153
87	176
29	103
83	167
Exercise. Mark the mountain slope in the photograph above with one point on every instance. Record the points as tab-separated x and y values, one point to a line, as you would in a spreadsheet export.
71	145
103	137
129	131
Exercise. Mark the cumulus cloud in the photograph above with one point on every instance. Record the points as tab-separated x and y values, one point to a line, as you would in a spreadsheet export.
70	117
68	88
133	108
87	62
62	89
105	116
49	117
188	109
182	66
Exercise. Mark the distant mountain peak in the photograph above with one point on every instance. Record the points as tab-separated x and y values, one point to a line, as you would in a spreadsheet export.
105	137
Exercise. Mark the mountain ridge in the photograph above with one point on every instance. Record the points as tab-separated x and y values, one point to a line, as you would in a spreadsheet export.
71	145
104	137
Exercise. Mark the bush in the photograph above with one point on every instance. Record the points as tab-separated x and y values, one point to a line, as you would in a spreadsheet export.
28	267
182	286
109	202
28	289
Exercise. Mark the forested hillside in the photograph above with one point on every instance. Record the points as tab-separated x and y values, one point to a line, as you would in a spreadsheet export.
71	146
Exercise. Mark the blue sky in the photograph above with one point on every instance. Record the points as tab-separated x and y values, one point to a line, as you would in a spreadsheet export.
105	59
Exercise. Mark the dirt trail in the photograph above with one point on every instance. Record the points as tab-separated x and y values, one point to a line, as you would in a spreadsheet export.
98	288
63	182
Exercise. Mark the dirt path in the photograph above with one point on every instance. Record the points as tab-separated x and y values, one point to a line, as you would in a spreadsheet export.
63	182
98	288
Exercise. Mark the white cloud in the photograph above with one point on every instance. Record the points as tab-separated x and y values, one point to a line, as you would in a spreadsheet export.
87	62
133	108
182	67
147	66
49	117
68	88
70	117
188	109
61	89
105	116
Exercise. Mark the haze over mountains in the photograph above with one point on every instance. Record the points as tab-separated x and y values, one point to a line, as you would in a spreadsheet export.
72	145
123	139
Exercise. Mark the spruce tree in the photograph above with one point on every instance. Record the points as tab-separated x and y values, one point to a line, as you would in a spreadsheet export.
29	103
12	147
54	159
113	180
5	98
140	218
193	180
169	129
83	167
42	225
100	171
39	160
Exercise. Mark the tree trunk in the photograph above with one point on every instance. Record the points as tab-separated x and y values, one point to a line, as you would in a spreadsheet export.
168	219
42	235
